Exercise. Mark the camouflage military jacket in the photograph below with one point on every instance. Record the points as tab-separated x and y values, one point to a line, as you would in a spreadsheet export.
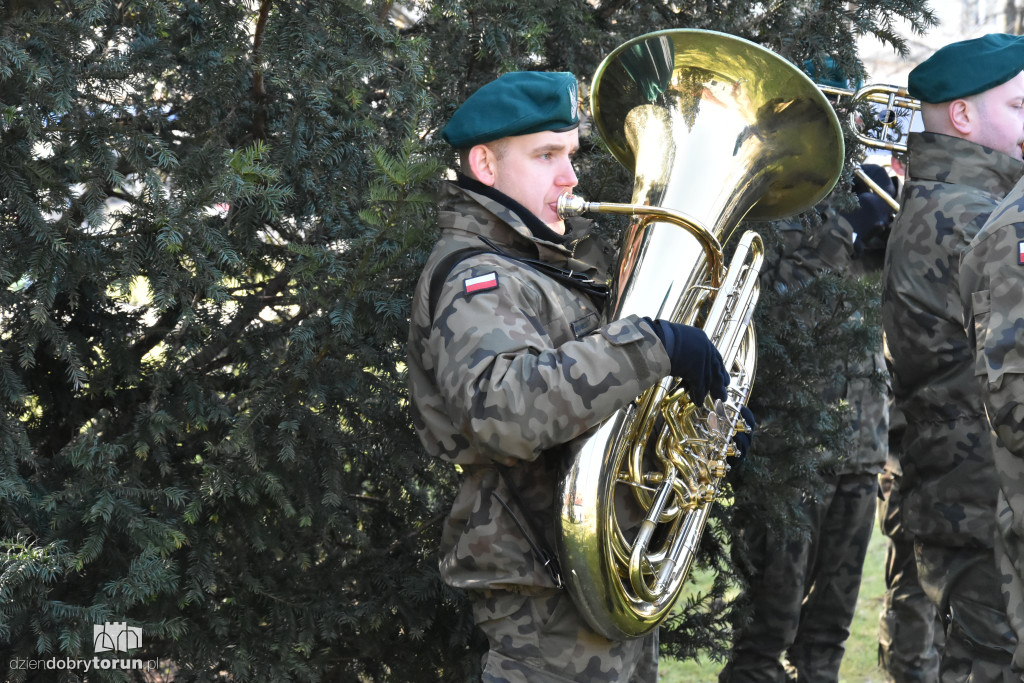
992	294
511	366
805	254
949	484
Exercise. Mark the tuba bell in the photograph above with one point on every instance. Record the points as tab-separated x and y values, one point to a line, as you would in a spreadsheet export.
716	129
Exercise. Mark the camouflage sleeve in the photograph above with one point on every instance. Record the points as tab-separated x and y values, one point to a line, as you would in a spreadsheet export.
992	293
867	395
808	252
834	250
520	370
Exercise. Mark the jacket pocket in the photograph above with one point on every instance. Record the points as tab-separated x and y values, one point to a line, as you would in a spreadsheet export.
998	339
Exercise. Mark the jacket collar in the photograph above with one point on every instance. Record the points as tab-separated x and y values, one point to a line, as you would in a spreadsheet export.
536	226
516	227
948	159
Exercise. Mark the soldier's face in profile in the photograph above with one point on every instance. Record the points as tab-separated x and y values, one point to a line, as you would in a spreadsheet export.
535	170
1001	111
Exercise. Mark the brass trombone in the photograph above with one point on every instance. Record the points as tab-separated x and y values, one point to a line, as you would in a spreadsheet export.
894	123
877	189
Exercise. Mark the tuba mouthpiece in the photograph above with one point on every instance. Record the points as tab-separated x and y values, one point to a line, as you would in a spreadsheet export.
570	205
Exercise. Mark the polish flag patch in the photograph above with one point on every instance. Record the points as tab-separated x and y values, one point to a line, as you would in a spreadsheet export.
1020	252
481	283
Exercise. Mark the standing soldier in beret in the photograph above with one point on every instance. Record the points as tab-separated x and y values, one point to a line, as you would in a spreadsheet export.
804	586
992	295
910	632
968	158
510	358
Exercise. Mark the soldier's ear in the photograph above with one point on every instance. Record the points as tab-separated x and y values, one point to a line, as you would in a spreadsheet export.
482	160
963	116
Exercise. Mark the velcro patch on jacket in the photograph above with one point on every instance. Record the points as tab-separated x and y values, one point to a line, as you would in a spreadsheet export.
481	283
1020	253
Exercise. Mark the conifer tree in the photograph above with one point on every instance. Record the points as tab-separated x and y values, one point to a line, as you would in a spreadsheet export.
212	216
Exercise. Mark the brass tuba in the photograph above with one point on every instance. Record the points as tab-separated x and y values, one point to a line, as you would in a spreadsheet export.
716	128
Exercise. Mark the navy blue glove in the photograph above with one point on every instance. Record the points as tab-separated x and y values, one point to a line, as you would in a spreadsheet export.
695	360
743	439
737	465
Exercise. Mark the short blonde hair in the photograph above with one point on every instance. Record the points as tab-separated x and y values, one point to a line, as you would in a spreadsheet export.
498	147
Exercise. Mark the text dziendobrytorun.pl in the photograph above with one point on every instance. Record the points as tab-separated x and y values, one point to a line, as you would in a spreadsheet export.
85	665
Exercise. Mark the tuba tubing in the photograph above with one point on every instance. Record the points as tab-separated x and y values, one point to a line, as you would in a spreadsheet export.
715	129
574	205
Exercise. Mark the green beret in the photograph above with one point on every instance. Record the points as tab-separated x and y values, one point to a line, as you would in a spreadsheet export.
967	68
517	103
833	76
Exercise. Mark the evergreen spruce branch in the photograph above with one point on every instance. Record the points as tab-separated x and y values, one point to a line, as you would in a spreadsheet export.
106	405
14	186
259	93
398	188
230	358
422	527
248	313
148	576
606	9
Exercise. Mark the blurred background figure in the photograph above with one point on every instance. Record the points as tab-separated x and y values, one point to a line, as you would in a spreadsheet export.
804	584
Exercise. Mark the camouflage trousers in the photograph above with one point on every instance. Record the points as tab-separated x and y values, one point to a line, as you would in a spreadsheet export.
1010	561
910	633
964	583
804	592
537	636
